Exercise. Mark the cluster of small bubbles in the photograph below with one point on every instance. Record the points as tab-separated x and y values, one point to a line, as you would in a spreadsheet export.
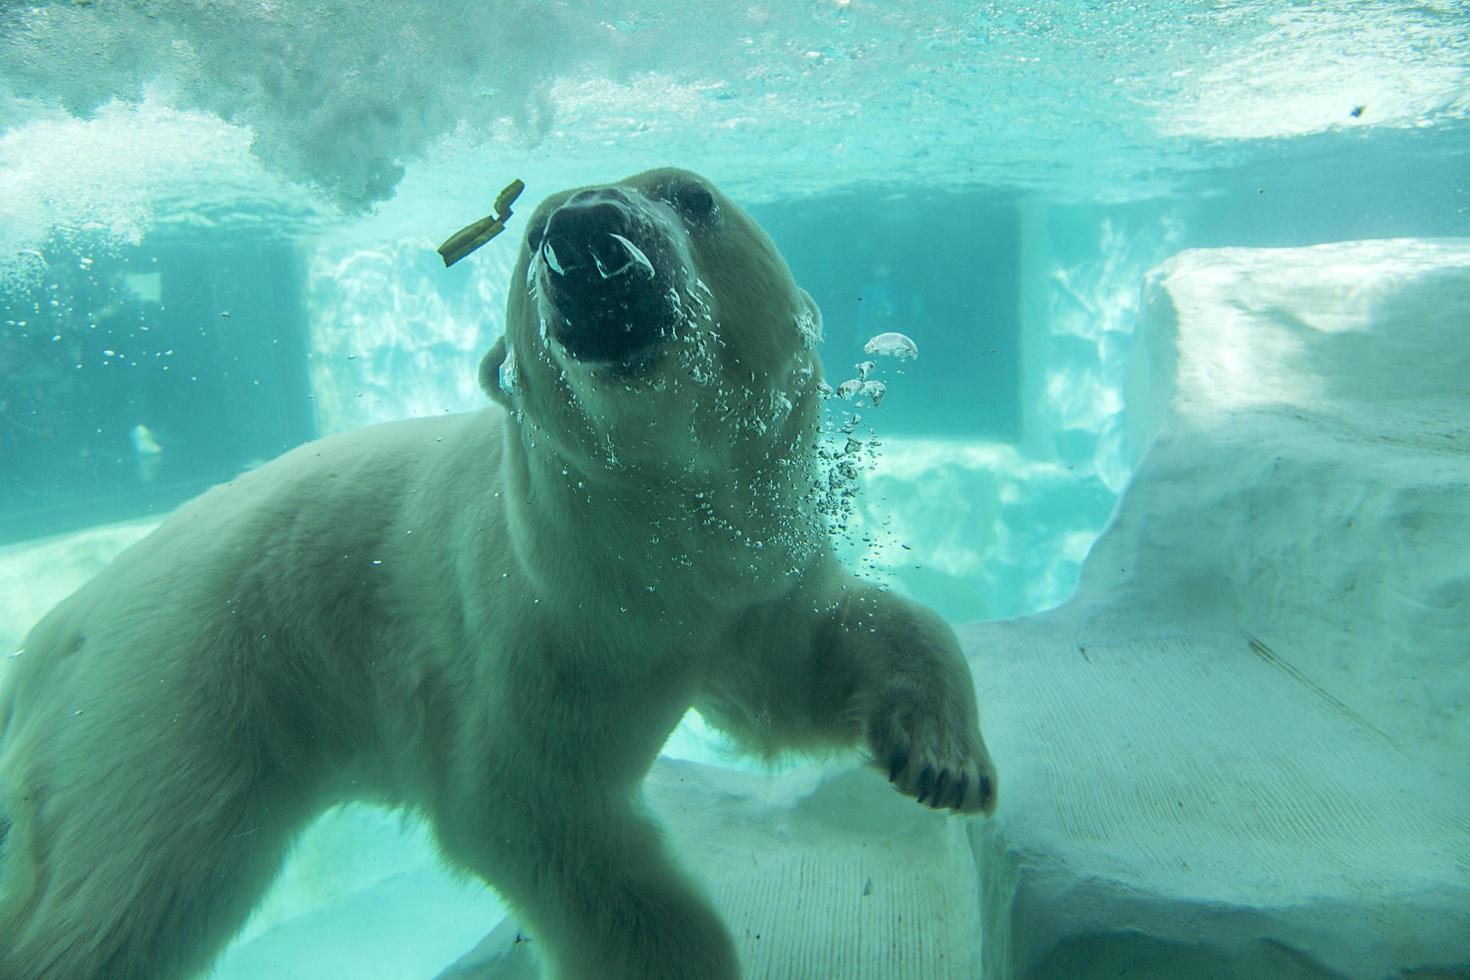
610	452
809	329
676	301
509	375
846	448
862	389
703	370
700	304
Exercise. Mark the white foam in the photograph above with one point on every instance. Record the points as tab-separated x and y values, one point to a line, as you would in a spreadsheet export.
110	178
1085	100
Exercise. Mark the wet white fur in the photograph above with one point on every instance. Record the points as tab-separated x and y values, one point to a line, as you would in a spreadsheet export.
493	618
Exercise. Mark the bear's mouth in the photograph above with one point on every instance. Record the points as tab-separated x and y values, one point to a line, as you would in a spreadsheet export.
607	293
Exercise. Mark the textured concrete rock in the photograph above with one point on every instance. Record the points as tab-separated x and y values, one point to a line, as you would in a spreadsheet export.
819	873
1239	750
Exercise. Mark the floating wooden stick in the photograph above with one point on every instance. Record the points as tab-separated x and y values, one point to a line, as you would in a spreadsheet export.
471	237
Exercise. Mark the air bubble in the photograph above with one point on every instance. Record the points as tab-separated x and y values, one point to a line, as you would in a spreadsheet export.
892	344
510	378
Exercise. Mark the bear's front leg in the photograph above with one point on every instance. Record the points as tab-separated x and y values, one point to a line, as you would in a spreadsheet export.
908	689
588	874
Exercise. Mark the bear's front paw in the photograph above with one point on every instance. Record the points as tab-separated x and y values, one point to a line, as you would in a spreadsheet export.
936	761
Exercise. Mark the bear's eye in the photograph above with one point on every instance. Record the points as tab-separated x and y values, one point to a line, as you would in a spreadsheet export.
693	199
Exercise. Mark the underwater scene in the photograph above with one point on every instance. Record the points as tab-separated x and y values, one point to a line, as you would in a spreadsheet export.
872	489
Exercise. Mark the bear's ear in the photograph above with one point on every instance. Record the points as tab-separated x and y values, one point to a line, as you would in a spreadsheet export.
490	374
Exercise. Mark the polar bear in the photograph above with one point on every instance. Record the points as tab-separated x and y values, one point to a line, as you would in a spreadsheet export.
494	619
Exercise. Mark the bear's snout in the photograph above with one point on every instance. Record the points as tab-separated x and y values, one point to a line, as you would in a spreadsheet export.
603	261
589	235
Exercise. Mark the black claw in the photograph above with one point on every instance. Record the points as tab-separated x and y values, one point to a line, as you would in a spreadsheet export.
897	763
985	788
959	800
937	800
926	782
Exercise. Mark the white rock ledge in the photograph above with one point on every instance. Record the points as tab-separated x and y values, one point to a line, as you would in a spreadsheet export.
1240	750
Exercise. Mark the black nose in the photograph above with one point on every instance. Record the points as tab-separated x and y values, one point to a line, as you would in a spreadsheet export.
578	240
602	273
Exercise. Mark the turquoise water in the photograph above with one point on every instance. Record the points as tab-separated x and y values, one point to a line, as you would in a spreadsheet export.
218	223
893	151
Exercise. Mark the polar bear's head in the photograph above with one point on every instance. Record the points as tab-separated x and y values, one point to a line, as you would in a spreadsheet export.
651	322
